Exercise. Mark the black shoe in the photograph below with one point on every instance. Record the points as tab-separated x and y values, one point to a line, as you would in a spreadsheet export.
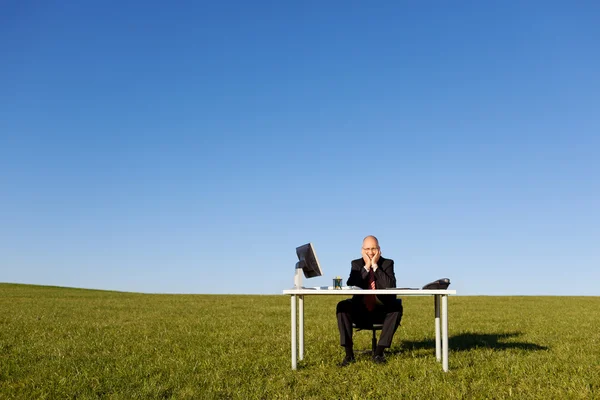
347	361
379	359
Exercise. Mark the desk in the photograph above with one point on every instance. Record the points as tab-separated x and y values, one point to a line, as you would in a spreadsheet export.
440	297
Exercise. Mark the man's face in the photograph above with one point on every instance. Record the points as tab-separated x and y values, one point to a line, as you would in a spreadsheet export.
370	246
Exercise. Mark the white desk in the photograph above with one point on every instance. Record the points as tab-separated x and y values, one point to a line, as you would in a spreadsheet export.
440	296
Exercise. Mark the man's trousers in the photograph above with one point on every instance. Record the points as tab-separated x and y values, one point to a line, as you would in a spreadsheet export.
355	311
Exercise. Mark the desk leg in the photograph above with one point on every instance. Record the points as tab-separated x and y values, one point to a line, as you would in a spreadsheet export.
301	325
445	333
294	333
438	342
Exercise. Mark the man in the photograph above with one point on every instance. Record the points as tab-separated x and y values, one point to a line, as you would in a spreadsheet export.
372	271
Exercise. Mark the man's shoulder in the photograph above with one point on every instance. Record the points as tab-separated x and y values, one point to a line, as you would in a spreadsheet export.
358	262
385	261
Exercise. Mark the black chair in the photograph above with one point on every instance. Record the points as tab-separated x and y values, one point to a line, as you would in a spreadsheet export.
374	328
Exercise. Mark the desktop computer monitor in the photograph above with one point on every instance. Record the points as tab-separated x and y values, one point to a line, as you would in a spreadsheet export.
308	261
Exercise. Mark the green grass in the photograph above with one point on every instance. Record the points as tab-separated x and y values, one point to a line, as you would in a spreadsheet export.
60	343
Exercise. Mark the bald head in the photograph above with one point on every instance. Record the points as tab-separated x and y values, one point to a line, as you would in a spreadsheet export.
370	245
370	239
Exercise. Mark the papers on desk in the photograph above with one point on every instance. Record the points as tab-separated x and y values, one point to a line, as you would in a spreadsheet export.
331	288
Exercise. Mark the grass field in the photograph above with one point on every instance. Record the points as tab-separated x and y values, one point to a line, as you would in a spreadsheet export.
61	343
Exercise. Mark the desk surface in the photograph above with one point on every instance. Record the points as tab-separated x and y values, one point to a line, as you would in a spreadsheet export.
342	292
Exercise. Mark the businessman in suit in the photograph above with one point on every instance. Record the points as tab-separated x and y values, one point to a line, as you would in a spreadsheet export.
372	271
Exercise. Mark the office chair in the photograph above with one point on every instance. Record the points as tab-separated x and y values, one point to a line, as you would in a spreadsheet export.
373	328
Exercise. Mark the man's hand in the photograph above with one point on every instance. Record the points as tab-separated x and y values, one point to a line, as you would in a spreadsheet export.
375	259
367	260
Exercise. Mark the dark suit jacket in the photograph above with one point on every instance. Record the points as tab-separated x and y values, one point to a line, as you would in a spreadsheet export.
384	278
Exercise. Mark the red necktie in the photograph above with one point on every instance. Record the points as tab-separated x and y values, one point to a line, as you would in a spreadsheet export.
371	299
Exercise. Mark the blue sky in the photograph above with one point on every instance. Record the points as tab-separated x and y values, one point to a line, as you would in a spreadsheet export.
190	147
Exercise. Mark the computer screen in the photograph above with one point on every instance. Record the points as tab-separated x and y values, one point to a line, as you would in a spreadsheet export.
308	261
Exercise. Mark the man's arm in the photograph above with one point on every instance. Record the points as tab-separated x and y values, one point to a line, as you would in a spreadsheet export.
385	276
359	276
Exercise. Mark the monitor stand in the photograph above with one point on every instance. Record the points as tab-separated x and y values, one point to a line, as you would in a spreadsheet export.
298	276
